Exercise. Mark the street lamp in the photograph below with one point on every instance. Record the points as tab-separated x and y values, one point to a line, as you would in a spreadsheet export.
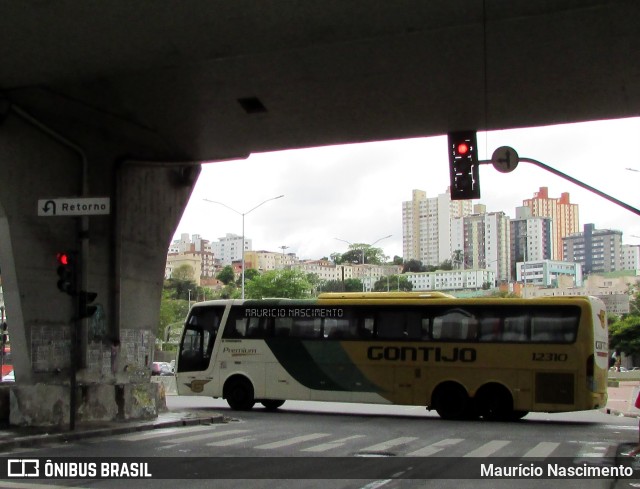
363	249
243	214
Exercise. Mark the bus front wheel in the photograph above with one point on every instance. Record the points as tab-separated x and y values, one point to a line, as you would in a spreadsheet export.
239	394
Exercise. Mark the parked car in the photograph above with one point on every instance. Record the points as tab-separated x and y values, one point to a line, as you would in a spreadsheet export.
161	368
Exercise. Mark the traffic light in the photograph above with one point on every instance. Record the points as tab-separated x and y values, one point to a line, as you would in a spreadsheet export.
85	299
463	165
67	272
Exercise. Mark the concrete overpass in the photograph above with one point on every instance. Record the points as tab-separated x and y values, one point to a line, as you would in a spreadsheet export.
125	99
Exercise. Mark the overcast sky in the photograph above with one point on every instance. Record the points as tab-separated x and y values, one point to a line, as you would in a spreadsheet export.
355	192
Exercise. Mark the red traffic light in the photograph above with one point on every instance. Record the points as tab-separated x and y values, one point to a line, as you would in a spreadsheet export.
62	258
462	148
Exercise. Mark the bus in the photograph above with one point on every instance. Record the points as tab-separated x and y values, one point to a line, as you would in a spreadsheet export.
494	358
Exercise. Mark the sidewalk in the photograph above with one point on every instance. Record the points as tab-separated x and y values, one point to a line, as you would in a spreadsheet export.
22	437
621	400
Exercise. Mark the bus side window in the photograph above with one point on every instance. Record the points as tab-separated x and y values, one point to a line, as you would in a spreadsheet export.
255	328
282	327
365	329
553	327
489	329
425	328
515	328
306	328
338	329
390	325
456	324
413	325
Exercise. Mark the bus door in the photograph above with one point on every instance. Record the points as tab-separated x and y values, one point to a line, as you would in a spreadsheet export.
193	373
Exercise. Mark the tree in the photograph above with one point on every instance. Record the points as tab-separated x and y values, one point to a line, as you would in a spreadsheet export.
181	282
624	335
414	266
171	311
353	285
249	274
393	282
226	275
333	286
373	256
292	284
185	273
230	291
397	260
348	285
457	258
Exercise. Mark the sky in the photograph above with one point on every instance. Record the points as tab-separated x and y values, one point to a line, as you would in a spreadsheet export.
355	192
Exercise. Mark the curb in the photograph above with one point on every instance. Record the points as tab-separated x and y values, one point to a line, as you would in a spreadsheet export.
615	412
43	438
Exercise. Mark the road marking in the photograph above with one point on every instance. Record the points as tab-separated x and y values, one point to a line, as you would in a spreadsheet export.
292	441
435	447
595	450
542	449
205	436
376	484
229	442
381	447
324	447
488	448
155	434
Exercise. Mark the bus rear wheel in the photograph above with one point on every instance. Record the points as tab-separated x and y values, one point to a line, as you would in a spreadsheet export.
451	401
239	394
271	404
495	403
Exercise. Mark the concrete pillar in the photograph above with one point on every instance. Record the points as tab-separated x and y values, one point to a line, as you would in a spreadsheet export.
44	154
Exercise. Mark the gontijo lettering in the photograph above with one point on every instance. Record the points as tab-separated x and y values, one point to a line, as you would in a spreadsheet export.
294	312
421	353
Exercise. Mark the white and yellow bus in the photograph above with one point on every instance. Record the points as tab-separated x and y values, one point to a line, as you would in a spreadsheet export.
465	358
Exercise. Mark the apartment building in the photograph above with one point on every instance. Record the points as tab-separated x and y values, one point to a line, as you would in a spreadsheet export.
597	250
630	257
564	217
481	240
229	248
549	273
426	226
442	280
531	238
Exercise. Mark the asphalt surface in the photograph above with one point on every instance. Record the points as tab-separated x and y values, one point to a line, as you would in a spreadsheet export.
621	403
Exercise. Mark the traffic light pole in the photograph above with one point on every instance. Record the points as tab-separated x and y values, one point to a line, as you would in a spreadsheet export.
550	169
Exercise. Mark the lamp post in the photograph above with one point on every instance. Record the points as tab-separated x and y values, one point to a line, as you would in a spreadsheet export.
243	214
363	249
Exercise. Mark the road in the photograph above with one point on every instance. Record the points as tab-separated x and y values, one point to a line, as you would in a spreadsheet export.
367	447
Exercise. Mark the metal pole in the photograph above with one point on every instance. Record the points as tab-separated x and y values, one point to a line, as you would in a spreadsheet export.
363	270
243	256
243	214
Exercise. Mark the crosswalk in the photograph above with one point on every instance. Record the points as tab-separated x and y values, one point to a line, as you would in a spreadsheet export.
256	443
